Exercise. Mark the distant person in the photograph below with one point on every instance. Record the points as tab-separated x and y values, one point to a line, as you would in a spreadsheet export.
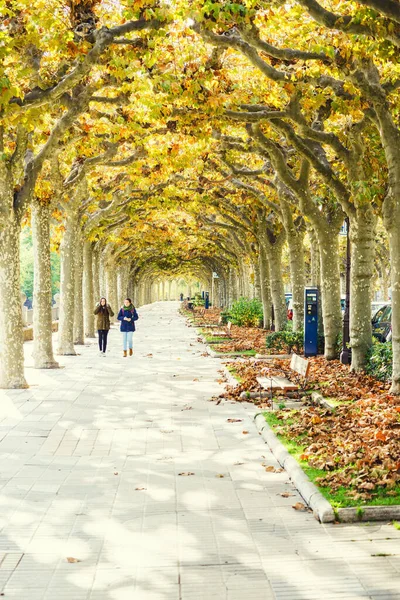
103	312
181	297
127	315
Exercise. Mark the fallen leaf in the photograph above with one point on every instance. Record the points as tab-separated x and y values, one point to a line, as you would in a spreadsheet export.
245	432
139	489
195	379
187	408
71	559
286	494
299	506
238	463
220	476
149	355
116	473
186	474
234	420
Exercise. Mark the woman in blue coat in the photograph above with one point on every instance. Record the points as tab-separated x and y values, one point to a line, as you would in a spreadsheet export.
127	315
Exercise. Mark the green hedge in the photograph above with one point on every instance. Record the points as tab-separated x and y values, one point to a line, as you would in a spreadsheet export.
379	360
246	313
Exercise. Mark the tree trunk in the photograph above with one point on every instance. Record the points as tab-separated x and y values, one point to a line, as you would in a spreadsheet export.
297	278
122	286
274	254
362	237
88	296
265	287
111	287
96	275
67	284
315	271
394	246
11	334
295	231
42	312
330	288
79	337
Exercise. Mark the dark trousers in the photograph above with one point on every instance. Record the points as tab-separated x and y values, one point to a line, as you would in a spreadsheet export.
103	333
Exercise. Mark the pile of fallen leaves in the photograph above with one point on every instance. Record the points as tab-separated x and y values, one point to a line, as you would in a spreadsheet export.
357	445
243	338
329	377
248	371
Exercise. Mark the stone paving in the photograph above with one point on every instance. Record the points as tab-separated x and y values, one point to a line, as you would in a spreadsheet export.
120	480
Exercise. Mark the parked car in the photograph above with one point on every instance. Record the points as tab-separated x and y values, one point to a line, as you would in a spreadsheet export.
382	323
376	305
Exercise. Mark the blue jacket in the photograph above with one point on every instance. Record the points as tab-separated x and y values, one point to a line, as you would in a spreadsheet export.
127	325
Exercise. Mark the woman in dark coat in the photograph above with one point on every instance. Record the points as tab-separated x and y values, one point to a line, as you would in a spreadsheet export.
103	312
127	315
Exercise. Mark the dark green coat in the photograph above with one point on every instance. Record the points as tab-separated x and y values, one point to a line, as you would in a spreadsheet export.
103	317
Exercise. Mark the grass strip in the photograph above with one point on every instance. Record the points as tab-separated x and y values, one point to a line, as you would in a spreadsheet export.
338	498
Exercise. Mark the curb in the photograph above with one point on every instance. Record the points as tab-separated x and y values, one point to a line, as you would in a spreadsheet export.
230	379
319	399
226	355
271	356
322	509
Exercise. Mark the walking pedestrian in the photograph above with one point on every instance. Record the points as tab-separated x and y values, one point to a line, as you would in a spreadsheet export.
127	315
103	312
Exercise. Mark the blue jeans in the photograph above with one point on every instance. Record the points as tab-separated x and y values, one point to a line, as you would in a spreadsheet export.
127	339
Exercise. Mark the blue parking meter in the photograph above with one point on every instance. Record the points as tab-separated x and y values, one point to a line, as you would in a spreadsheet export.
310	321
207	300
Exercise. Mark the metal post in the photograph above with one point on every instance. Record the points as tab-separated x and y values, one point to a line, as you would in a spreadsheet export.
345	355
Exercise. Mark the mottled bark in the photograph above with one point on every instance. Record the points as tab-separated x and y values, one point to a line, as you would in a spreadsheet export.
11	336
295	232
122	285
390	135
265	288
362	237
79	337
315	269
274	254
96	275
42	314
88	295
330	288
111	290
67	285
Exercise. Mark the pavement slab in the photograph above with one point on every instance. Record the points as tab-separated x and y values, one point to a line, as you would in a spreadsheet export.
120	479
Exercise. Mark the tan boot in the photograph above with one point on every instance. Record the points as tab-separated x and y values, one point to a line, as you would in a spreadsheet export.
130	351
125	353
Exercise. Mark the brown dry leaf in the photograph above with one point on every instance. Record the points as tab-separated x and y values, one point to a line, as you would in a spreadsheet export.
299	506
195	379
140	489
286	494
245	432
116	473
234	420
187	408
149	355
220	476
186	474
71	559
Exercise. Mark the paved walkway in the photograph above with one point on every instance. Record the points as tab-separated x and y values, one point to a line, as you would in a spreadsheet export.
120	480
